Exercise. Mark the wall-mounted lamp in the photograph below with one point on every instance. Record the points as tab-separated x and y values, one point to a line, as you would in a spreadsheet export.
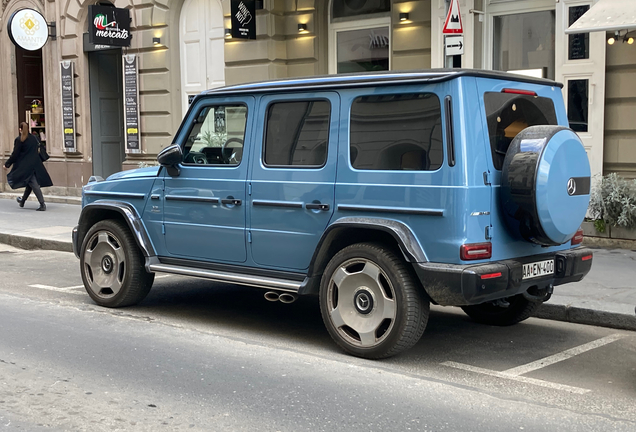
302	28
156	41
404	16
630	40
228	33
611	41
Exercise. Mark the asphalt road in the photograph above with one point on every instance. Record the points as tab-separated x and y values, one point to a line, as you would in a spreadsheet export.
197	355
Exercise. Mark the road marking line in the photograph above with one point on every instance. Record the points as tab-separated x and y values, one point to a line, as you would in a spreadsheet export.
52	288
521	379
524	369
515	373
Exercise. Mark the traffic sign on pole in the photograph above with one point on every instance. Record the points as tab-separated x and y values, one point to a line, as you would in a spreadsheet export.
454	45
453	23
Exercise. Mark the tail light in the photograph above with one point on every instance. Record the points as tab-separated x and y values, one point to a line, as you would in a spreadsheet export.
475	251
578	237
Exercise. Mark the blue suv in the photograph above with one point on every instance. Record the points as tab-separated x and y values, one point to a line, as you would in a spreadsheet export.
381	193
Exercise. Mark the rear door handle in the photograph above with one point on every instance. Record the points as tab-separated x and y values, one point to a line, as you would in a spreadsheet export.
317	206
234	201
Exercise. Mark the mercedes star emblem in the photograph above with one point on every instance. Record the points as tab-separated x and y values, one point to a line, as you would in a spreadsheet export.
571	187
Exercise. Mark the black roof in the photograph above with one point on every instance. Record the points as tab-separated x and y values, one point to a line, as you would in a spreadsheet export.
371	79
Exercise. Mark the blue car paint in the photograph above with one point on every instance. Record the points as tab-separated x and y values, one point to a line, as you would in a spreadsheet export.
297	229
469	206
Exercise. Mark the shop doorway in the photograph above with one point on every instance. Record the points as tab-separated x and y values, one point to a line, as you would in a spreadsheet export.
30	82
107	119
202	44
357	42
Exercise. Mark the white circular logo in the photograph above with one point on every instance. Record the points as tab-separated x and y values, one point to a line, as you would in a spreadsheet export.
28	29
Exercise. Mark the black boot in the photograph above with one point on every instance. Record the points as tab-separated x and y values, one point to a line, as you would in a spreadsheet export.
20	201
41	208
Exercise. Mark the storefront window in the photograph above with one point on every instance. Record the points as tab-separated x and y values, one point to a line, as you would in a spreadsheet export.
350	8
578	104
525	42
578	44
363	50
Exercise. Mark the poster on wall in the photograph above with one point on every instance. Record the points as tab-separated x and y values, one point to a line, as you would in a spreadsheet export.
243	19
131	104
109	26
68	105
28	29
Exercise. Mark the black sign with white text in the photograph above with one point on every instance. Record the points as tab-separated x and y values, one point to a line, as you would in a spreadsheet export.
68	105
109	26
131	104
243	19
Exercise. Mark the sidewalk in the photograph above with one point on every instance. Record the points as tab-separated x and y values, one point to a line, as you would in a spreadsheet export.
606	297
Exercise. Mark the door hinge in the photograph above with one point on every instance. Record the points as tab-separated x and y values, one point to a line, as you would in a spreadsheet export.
249	236
487	178
163	229
487	233
249	188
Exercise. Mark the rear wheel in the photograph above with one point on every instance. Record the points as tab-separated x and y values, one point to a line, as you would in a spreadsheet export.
112	266
370	302
504	312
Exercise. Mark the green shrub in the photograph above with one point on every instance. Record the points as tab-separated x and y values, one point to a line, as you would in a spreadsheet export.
613	201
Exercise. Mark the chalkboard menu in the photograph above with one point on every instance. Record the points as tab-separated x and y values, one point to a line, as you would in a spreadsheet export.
131	104
68	105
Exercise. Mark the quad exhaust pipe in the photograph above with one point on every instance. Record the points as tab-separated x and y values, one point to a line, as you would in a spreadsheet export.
283	297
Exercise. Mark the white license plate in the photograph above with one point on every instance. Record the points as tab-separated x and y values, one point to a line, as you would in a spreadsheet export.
537	269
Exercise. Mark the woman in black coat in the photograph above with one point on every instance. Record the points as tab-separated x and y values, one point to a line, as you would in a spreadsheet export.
28	170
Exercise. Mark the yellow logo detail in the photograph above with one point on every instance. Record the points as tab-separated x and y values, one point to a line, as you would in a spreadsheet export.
29	24
132	130
68	131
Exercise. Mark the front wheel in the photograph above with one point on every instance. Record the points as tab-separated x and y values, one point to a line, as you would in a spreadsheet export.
370	302
112	266
503	313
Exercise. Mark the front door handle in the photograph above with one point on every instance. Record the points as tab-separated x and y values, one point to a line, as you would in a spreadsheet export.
233	201
317	206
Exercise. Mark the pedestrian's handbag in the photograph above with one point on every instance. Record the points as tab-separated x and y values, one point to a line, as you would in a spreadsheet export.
43	154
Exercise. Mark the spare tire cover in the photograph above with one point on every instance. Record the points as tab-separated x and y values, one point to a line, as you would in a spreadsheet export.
545	184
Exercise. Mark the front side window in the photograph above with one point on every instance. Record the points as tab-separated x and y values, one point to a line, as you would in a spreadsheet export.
217	136
509	113
297	133
396	132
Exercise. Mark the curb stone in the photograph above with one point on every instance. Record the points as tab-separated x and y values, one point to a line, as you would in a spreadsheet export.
47	198
29	243
577	315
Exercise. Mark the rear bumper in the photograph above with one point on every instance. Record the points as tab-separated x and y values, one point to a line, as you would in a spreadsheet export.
460	285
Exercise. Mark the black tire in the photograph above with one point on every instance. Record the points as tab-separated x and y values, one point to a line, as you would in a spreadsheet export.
369	300
490	313
116	275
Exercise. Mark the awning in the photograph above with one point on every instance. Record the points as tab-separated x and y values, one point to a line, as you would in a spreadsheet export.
607	15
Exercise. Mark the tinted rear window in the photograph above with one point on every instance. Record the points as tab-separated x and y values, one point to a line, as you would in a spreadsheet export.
509	113
396	132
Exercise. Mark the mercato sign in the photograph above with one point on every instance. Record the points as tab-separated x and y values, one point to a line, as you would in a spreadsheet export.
109	26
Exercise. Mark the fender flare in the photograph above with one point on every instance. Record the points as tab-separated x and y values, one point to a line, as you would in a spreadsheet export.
403	235
129	214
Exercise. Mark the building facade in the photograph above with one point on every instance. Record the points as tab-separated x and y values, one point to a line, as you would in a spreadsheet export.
182	47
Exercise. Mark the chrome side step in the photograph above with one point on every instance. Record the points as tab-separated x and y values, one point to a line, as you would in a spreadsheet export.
220	276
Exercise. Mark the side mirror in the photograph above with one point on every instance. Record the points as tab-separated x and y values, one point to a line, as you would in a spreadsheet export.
171	157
